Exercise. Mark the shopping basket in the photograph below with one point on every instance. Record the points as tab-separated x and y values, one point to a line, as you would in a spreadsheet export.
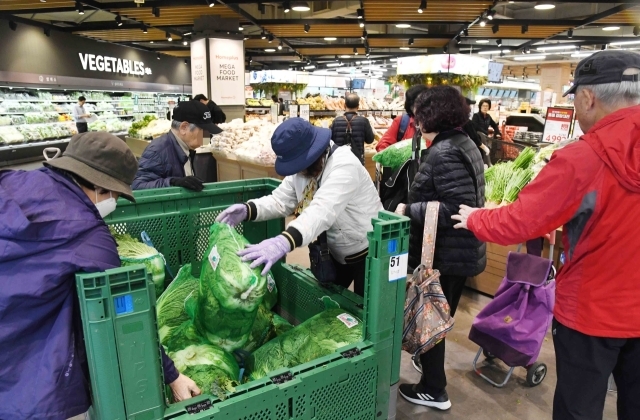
513	326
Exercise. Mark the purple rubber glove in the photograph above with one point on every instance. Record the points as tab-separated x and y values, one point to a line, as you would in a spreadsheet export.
267	252
234	215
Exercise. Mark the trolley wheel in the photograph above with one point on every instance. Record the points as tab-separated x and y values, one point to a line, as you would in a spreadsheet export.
536	374
487	355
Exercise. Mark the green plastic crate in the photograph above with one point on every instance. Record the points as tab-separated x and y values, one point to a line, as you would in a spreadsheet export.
354	383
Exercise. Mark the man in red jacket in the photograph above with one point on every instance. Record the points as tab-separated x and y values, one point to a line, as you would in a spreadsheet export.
592	187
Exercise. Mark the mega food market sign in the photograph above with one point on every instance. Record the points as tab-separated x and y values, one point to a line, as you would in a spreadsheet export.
103	63
226	66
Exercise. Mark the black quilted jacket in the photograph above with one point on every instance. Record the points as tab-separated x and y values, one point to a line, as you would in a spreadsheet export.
445	175
361	133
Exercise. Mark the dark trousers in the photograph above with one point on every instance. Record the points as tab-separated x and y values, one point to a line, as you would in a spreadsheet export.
434	379
584	364
352	273
82	127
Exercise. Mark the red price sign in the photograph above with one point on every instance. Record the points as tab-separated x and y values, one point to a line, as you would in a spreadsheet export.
557	124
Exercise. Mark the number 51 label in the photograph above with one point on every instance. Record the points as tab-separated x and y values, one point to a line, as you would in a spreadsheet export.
398	267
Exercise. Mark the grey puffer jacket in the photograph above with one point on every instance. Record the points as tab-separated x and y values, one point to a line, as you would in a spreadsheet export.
451	172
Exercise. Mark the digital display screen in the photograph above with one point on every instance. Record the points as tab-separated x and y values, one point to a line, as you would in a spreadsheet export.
495	71
358	83
123	304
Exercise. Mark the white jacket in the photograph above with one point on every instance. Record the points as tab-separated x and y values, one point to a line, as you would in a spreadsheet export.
343	206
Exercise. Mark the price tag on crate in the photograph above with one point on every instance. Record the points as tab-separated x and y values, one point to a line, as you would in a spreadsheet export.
304	111
293	111
398	267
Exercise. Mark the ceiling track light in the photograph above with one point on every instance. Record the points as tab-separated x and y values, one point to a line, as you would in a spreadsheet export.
185	42
360	13
186	61
47	32
307	28
158	56
144	29
155	11
300	6
211	3
423	6
263	35
466	32
491	14
80	8
446	49
280	46
499	42
458	40
355	51
364	35
483	22
570	33
362	24
286	6
410	41
118	19
495	28
168	35
270	38
12	25
524	29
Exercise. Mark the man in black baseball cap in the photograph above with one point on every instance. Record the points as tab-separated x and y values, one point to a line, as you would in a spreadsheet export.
168	160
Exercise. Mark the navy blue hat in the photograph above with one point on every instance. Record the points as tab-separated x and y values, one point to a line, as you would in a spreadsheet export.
297	145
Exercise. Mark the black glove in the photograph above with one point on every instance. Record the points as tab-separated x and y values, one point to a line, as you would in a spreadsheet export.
188	182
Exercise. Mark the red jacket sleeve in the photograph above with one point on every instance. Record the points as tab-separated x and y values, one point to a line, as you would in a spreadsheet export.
391	135
544	205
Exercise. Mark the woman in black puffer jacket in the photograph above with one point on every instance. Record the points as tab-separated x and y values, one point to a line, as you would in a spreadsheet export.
451	172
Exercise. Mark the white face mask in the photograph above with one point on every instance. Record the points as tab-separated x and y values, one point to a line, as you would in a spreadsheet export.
106	207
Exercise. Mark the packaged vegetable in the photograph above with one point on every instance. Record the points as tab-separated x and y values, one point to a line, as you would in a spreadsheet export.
132	252
171	305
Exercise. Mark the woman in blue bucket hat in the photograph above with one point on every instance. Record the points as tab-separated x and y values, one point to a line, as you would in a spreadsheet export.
328	191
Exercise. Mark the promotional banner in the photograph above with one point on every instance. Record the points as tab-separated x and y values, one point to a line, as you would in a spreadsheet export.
444	63
199	83
557	125
226	63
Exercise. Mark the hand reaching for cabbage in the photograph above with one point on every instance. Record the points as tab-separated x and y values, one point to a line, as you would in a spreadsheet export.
234	215
267	252
184	388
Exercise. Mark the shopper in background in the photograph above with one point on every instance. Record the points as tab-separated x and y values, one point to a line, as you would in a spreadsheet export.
51	228
483	120
217	114
403	126
452	173
592	187
472	131
327	190
352	129
79	115
168	160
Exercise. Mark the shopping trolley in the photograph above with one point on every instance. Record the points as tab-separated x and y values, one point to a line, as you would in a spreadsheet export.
513	326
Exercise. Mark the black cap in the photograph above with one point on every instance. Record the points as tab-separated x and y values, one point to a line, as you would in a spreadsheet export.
605	67
469	101
195	112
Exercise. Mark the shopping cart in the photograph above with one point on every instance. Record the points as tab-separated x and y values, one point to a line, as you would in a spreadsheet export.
501	150
513	326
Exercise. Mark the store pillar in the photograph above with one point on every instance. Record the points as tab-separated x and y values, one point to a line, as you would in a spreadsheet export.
553	79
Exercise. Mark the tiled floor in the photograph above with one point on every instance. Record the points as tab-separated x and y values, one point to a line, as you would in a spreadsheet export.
473	398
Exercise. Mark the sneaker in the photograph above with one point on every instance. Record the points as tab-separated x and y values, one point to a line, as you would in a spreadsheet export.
412	394
416	364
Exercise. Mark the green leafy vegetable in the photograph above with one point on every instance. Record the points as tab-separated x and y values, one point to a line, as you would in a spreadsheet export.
170	307
281	325
183	336
132	252
395	155
318	336
211	368
262	331
518	181
524	159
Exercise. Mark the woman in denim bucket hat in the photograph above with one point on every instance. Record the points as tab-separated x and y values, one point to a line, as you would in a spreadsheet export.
327	189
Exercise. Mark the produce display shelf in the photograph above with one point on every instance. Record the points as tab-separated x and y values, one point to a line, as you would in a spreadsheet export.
357	382
45	143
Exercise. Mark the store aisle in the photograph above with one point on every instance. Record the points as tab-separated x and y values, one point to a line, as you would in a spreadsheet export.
471	396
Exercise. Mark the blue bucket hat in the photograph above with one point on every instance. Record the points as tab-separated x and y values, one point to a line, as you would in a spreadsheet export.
297	145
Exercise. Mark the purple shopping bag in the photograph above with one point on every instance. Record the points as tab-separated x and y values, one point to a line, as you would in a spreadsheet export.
513	326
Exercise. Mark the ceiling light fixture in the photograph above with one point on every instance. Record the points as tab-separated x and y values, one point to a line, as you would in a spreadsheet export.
581	54
300	6
241	28
423	6
360	13
185	42
483	22
610	28
280	46
530	57
334	64
269	50
556	47
158	56
80	8
570	33
403	25
155	11
330	38
355	51
410	41
286	6
211	3
345	56
336	57
524	29
168	35
404	48
491	52
445	49
270	38
307	28
309	67
186	61
466	32
499	42
625	43
150	42
364	35
491	14
118	19
495	28
144	29
458	40
263	35
482	41
544	5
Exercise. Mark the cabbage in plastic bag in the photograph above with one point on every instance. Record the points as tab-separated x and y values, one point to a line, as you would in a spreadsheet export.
395	155
262	331
170	306
318	336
